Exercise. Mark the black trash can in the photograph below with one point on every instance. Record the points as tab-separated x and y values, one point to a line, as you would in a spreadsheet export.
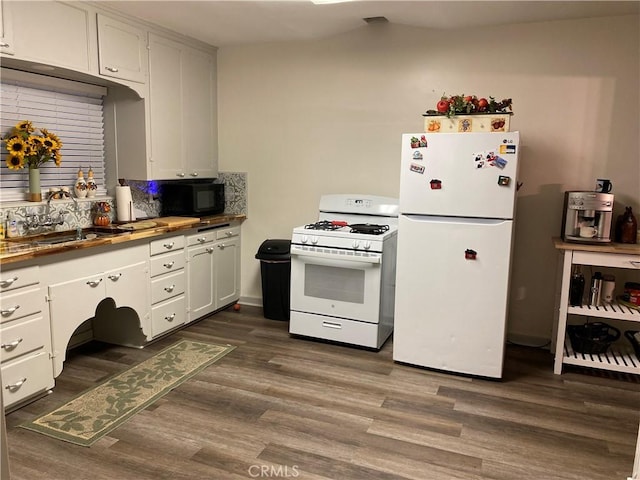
275	270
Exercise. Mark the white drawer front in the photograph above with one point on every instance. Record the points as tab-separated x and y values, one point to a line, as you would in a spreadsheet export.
336	329
168	315
169	262
23	337
227	232
19	277
20	304
167	286
613	260
25	377
165	245
201	237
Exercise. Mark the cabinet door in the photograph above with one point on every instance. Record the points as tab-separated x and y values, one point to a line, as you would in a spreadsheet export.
227	262
66	314
201	281
122	50
165	108
6	28
200	113
55	33
128	287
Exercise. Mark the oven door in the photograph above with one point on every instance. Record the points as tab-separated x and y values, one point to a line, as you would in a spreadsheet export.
335	282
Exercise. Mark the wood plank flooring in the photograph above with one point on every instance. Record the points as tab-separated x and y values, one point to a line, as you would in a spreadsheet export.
282	407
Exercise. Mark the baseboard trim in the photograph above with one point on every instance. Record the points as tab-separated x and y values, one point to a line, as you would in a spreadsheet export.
529	340
251	301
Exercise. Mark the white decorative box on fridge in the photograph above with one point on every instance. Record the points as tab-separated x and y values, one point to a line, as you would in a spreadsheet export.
483	122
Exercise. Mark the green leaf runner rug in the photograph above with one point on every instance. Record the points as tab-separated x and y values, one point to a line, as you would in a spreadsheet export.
99	410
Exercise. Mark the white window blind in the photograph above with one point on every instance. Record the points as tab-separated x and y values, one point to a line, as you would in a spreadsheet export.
71	110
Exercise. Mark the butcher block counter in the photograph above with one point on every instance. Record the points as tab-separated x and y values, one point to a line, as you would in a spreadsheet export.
27	247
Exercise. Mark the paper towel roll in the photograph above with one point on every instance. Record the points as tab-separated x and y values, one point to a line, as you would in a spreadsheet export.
124	204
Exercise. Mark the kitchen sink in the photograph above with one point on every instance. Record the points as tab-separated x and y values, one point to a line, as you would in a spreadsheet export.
56	238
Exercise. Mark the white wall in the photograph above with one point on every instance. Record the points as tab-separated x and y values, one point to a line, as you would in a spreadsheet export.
315	117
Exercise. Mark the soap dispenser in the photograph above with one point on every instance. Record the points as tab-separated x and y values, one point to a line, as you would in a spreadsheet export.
92	187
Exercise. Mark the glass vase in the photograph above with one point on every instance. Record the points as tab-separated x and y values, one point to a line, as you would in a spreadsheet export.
35	193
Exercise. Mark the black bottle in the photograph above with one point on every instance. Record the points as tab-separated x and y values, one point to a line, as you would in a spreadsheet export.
576	288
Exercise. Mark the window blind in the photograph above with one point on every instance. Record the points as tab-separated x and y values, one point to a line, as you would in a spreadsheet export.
68	109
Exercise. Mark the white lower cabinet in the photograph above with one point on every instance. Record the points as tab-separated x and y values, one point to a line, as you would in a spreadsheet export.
25	339
168	284
213	259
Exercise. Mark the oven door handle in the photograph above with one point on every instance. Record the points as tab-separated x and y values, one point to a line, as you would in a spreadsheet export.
374	259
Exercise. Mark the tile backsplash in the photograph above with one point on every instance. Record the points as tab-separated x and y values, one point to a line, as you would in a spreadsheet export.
69	215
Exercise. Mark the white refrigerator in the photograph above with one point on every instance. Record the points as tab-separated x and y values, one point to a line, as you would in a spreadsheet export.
455	235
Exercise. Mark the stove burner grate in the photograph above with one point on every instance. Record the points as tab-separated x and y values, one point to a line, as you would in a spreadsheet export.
369	229
323	225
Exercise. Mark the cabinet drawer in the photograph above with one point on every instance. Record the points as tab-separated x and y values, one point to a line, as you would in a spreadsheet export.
167	286
613	260
201	238
168	315
25	377
165	245
166	263
21	303
20	277
23	337
227	233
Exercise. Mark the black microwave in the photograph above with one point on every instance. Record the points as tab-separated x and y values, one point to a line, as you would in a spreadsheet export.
192	198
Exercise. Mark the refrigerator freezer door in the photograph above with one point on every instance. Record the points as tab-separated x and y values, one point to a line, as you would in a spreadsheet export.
451	293
459	174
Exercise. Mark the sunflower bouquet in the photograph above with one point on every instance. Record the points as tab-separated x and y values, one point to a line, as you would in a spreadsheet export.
25	147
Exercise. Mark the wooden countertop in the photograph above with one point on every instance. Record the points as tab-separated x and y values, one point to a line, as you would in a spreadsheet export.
623	248
19	249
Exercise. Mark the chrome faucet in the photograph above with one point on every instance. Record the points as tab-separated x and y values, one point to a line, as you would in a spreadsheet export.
35	221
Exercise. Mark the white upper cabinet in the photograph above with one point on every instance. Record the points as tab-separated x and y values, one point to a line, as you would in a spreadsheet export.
122	50
6	28
182	111
55	33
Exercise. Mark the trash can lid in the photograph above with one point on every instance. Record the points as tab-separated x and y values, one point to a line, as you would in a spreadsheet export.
274	249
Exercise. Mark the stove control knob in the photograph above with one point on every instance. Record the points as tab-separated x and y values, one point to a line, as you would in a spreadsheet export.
304	239
367	245
356	244
314	240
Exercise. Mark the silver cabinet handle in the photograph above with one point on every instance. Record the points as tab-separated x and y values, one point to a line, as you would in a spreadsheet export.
635	263
222	246
168	246
8	282
12	387
209	249
170	317
111	69
169	289
181	174
332	325
114	278
194	174
4	45
94	283
8	311
168	265
10	346
202	239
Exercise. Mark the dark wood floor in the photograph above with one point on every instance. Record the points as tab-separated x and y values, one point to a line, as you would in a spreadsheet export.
281	407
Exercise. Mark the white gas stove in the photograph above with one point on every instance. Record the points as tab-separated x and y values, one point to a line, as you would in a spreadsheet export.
343	271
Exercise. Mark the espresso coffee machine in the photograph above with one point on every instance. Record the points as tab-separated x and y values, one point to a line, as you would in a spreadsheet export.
587	217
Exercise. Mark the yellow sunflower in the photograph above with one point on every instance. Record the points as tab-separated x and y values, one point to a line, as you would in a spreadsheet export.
52	136
17	147
25	126
15	162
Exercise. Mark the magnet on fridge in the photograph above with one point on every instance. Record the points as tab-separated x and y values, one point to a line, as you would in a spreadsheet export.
507	149
435	184
417	155
504	181
500	162
423	141
470	254
417	168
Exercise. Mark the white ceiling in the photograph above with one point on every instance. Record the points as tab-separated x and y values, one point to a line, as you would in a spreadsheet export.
235	22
